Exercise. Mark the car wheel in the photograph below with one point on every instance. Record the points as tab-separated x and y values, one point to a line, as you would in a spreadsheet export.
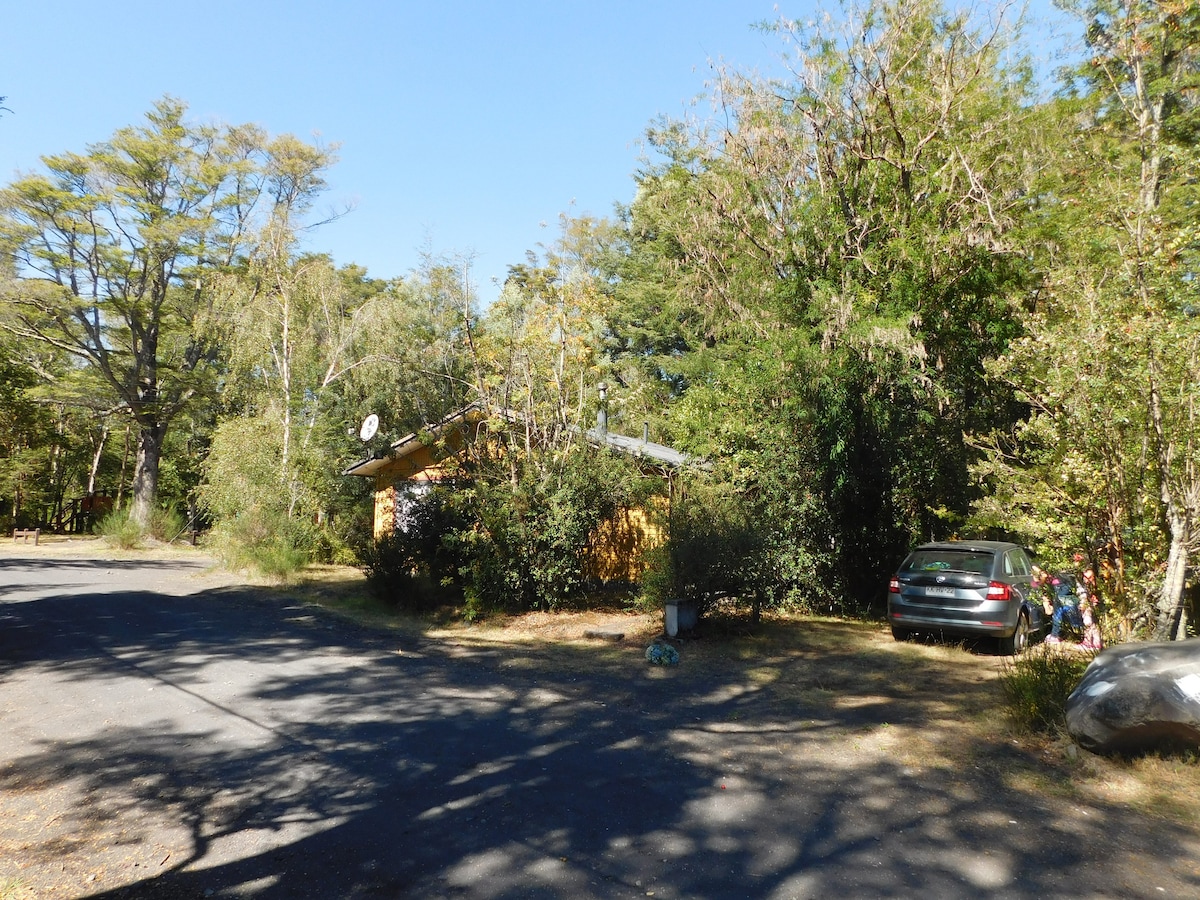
901	634
1019	639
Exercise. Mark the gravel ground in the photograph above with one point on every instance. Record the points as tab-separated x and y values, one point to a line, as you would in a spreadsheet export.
168	732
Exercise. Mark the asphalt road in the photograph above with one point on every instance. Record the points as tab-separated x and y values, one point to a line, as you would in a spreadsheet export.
165	734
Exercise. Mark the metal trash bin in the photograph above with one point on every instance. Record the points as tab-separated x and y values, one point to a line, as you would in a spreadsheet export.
680	616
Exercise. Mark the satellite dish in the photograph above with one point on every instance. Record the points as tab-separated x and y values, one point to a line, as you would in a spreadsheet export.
370	425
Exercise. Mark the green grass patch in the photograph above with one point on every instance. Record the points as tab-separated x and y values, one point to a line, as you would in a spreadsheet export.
263	541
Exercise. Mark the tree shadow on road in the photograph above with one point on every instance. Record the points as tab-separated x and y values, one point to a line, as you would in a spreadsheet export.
267	751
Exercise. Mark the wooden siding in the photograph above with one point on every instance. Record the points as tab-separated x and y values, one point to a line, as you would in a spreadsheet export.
619	545
385	509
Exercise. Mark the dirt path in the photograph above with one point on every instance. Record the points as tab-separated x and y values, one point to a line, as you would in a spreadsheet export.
165	732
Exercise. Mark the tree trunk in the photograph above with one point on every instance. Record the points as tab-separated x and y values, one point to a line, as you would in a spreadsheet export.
95	469
1170	599
145	473
1170	624
120	504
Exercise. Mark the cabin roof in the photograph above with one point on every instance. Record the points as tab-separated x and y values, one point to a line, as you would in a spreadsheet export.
639	448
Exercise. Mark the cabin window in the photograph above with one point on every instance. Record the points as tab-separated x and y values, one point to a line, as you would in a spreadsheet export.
408	495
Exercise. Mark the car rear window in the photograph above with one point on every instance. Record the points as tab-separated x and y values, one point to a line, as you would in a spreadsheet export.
977	561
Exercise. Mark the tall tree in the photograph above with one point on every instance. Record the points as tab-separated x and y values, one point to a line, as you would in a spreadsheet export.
537	352
1147	55
1110	367
848	228
25	429
115	250
416	351
293	329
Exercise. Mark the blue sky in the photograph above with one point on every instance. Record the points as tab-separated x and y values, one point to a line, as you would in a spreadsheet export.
467	127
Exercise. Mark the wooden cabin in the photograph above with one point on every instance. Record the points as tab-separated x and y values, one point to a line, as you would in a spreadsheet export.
412	465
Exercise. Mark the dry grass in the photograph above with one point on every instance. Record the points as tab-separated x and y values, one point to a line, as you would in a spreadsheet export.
91	547
1164	787
15	890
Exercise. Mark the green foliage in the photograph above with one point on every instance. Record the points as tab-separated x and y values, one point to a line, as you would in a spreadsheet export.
531	494
414	366
714	550
118	530
27	437
499	546
1037	684
57	435
659	582
165	525
800	532
249	503
1107	454
241	470
296	331
528	542
415	568
535	353
122	530
117	253
813	281
265	541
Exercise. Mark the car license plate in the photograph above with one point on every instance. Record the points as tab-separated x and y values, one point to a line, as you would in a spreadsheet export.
939	591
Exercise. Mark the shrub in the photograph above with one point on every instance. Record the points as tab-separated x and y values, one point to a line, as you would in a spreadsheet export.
659	583
265	541
165	525
497	542
415	568
1037	684
715	549
277	560
119	530
528	541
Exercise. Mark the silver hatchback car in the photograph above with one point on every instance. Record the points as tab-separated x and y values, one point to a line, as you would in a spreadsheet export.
966	588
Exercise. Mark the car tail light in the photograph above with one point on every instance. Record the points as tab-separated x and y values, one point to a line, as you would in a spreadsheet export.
998	590
894	586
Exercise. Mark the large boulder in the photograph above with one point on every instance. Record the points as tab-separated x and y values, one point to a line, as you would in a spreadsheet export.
1139	697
